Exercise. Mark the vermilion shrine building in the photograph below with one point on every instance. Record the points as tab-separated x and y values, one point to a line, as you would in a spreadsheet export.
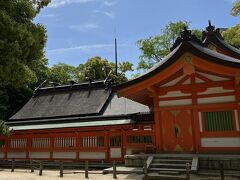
189	102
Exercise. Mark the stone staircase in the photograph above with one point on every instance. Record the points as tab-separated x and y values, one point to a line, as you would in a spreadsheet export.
170	167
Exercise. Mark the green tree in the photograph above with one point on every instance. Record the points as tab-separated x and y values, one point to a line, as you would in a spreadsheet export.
236	8
232	36
62	73
154	48
97	68
4	130
21	41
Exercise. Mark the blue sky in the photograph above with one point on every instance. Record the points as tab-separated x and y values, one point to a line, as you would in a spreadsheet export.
80	29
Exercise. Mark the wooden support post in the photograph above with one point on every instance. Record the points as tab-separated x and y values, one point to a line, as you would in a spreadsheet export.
114	170
40	168
145	170
221	171
13	164
187	171
86	169
31	165
61	169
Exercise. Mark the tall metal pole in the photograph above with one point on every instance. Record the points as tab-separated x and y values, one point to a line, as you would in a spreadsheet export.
116	63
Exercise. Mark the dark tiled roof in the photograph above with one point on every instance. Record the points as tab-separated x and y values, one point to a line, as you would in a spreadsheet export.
65	101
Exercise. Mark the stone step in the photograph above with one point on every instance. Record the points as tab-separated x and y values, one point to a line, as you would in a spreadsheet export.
167	169
168	165
172	160
153	176
169	172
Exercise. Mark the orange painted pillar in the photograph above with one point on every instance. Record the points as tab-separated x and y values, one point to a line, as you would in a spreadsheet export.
51	145
195	121
158	123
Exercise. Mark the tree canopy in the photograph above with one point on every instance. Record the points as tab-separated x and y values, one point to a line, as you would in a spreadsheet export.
95	68
232	36
236	8
154	48
21	41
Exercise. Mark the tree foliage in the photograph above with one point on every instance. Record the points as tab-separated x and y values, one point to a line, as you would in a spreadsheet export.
236	8
4	130
154	48
95	68
62	73
232	36
21	41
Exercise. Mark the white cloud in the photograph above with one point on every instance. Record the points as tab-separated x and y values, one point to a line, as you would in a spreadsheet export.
231	1
86	48
109	3
49	15
84	27
106	13
59	3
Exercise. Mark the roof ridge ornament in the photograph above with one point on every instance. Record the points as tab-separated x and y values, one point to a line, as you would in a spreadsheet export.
185	35
211	30
210	27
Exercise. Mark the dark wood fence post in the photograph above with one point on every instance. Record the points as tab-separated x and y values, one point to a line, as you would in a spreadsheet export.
86	169
145	170
31	165
61	169
114	170
40	168
187	171
221	171
13	165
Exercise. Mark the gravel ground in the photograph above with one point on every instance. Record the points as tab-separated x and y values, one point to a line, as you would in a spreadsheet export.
54	175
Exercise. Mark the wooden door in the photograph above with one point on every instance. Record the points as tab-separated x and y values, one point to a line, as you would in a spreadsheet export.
177	131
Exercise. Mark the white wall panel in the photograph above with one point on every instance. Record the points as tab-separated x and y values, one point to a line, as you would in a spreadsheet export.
37	155
221	142
115	153
212	100
2	154
16	155
175	102
64	155
92	155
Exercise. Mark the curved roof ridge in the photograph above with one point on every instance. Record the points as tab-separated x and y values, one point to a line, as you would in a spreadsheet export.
212	35
183	47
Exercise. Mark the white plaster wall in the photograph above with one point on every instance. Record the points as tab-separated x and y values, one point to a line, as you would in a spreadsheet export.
221	142
213	77
64	155
220	99
92	155
115	153
175	94
173	82
175	102
215	90
16	155
39	155
2	154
